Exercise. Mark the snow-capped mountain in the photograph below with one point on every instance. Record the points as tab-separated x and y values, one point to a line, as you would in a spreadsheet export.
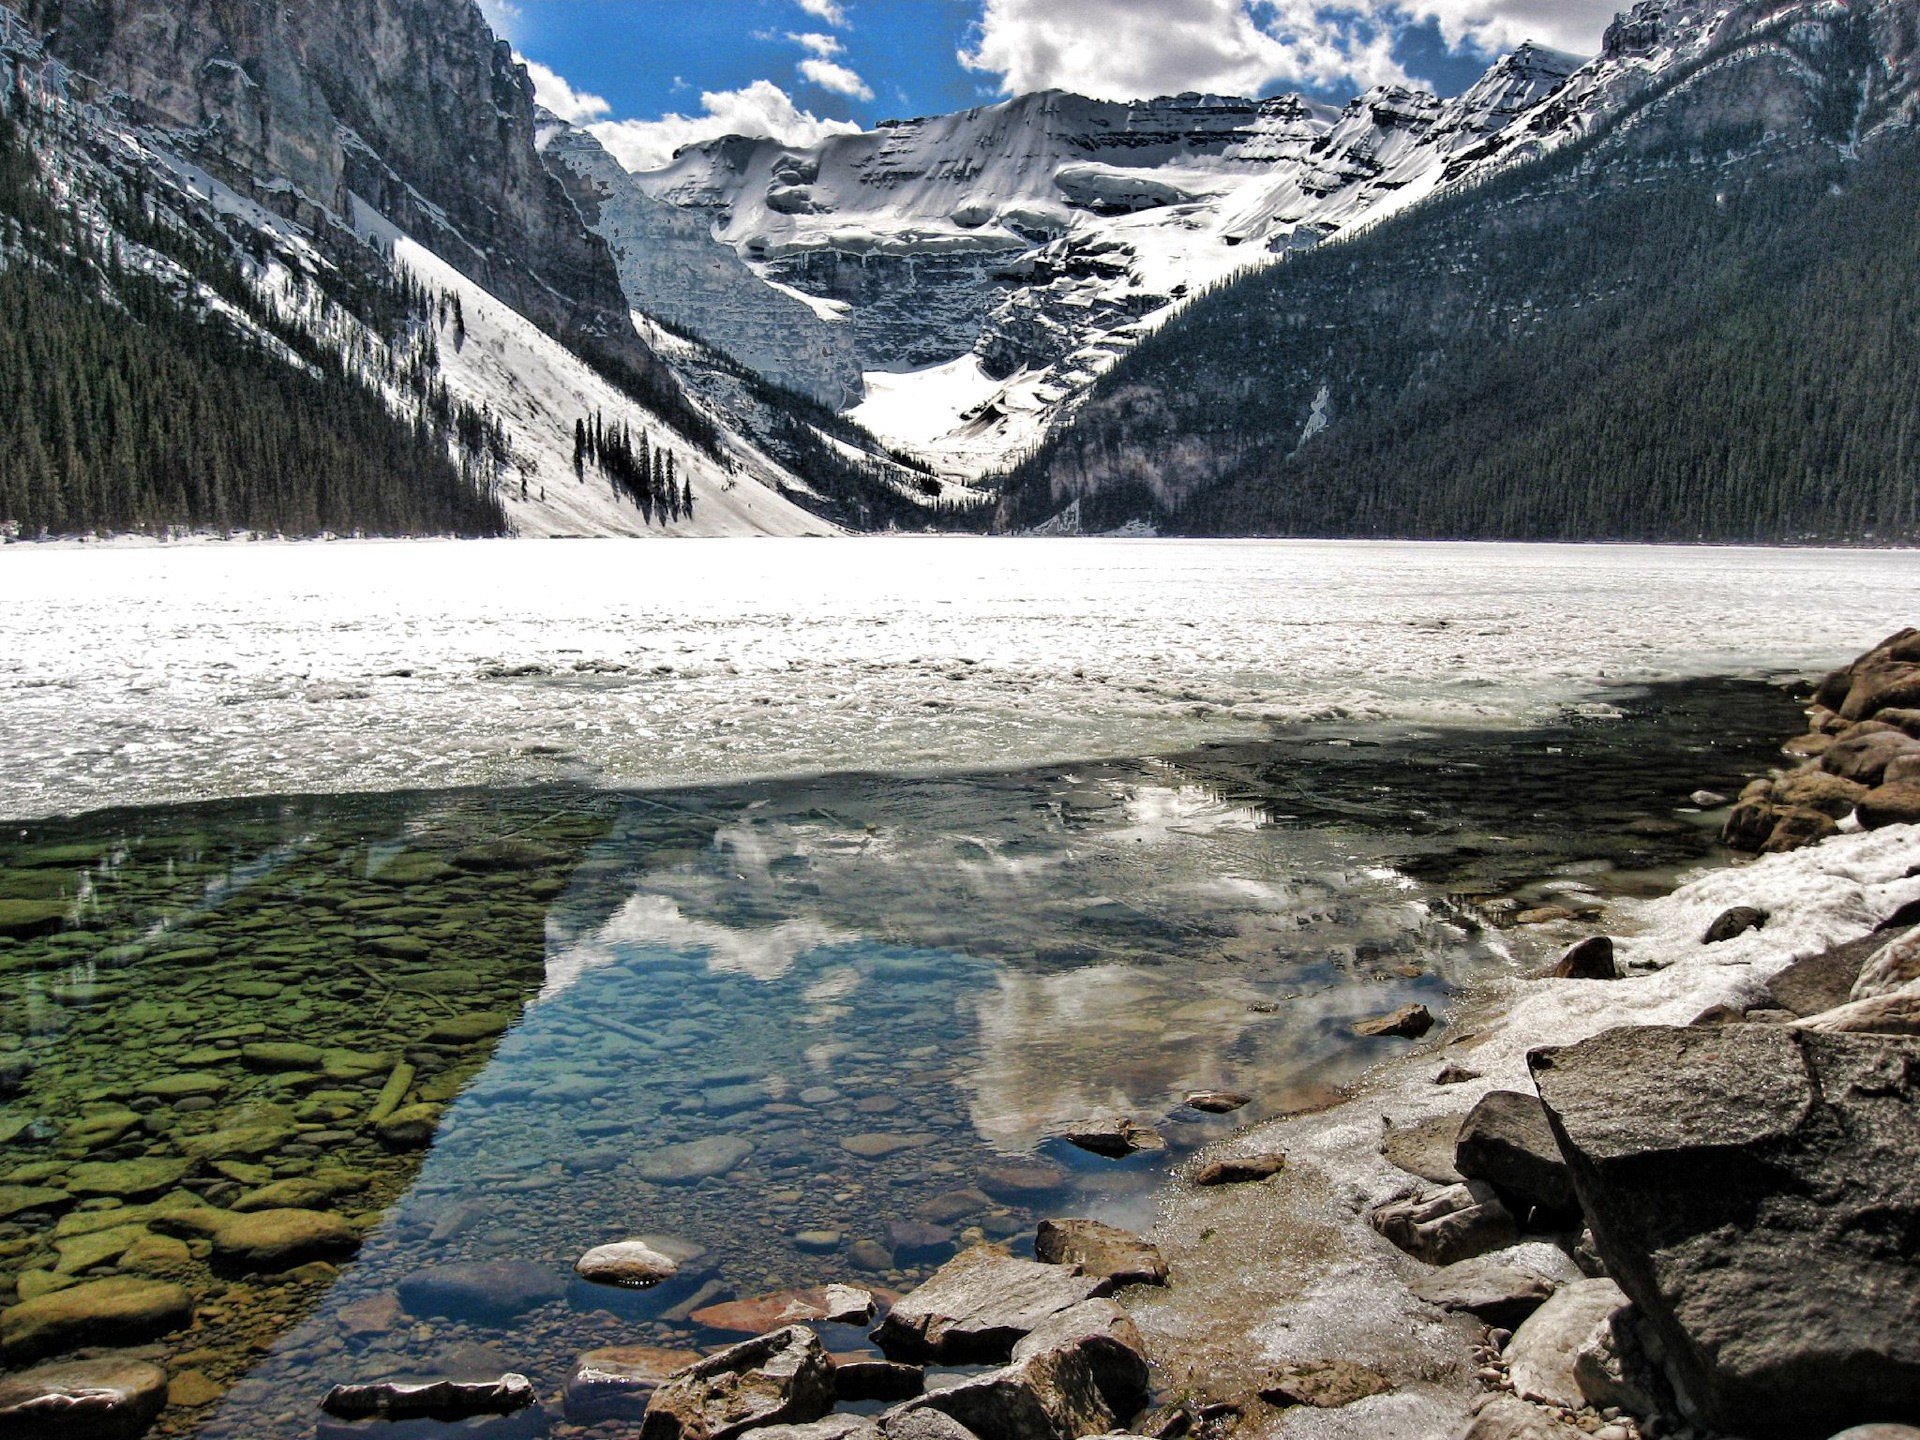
983	267
358	199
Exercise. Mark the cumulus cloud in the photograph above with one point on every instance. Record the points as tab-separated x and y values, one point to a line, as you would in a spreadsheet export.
831	12
759	109
821	45
576	107
503	16
1129	49
837	78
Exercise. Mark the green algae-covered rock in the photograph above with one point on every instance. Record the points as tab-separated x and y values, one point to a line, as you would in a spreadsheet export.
508	855
282	1055
303	1192
266	1241
409	1128
414	867
465	1029
185	1085
20	1199
127	1179
121	1310
25	918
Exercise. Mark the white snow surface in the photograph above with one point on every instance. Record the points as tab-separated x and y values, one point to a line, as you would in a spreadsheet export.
133	675
538	389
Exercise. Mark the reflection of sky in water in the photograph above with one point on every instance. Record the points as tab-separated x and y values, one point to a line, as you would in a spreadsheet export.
959	968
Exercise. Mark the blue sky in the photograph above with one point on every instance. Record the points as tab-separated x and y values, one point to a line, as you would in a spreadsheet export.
649	75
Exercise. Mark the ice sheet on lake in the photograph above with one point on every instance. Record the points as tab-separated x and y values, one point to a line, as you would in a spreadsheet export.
170	673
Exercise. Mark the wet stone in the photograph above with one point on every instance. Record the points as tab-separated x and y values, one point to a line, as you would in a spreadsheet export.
117	1311
127	1179
489	1291
1218	1102
692	1161
630	1264
110	1398
615	1383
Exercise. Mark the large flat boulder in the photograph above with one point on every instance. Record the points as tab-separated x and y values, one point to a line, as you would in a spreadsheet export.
1755	1191
111	1398
120	1310
1506	1142
1082	1372
978	1306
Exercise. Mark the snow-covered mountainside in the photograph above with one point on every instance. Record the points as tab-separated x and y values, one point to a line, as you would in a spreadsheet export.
276	178
983	267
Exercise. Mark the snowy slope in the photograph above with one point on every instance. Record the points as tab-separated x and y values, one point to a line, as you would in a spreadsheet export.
538	388
992	262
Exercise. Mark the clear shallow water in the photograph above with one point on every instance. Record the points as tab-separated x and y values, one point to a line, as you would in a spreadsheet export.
133	676
886	996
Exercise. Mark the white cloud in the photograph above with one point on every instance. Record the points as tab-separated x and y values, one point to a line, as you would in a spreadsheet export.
1497	25
1131	49
837	78
759	109
502	16
821	45
830	12
576	107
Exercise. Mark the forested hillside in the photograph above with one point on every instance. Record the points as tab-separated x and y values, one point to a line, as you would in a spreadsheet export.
1702	324
125	409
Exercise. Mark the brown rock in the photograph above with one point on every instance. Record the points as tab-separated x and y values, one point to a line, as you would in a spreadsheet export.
1409	1022
1750	825
1323	1384
1101	1250
780	1379
1218	1102
437	1398
1239	1169
1114	1137
1897	804
1797	829
978	1306
1861	758
1811	789
1735	922
120	1310
1447	1225
111	1398
1588	959
630	1264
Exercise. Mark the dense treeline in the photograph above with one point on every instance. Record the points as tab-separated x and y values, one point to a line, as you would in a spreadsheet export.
127	405
1657	346
641	471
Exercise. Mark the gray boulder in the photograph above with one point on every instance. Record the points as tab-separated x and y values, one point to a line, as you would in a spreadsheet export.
1546	1354
1507	1142
1751	1188
1083	1372
1505	1418
1882	1015
783	1378
1892	968
1503	1288
1456	1222
978	1306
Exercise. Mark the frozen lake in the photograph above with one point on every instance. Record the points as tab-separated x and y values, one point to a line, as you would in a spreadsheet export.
145	675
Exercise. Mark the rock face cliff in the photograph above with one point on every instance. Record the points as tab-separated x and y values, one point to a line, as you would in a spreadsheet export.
1008	253
409	106
672	270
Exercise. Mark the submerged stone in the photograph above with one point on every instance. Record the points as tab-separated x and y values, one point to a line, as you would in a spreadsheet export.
117	1311
111	1398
